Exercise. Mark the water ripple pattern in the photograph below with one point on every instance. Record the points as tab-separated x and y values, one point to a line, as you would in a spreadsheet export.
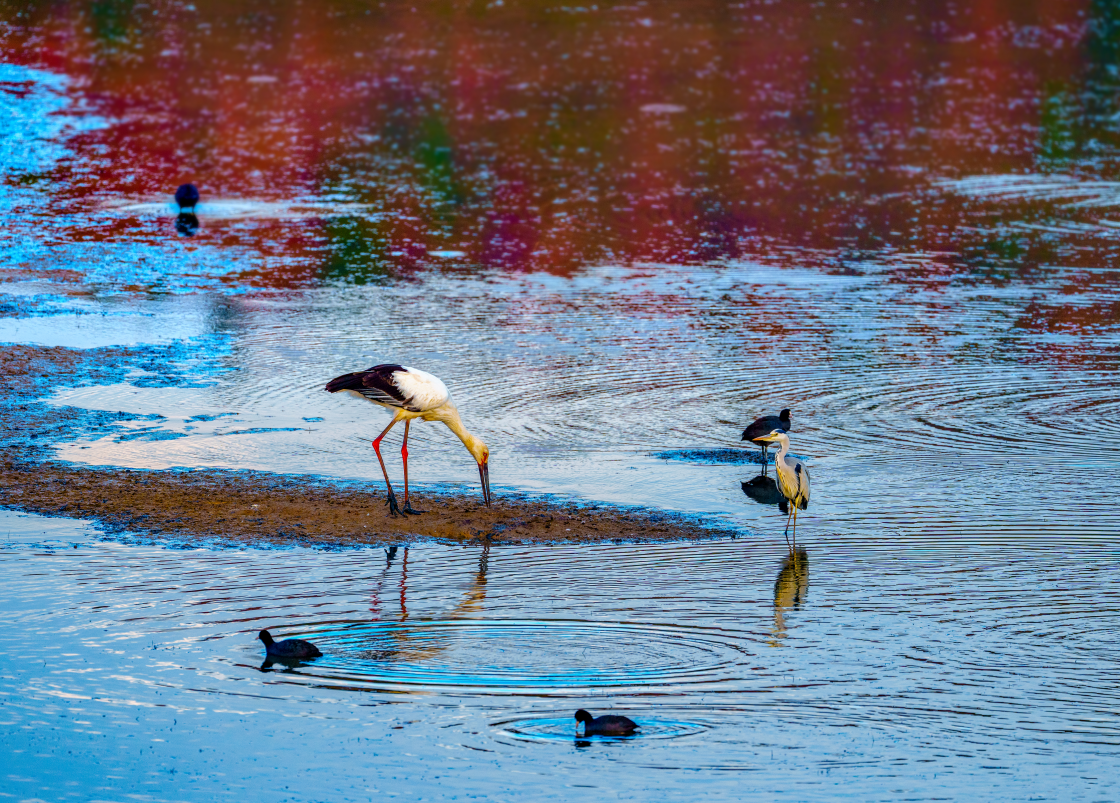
991	666
533	656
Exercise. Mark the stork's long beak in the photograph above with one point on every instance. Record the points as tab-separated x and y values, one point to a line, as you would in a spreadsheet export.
484	475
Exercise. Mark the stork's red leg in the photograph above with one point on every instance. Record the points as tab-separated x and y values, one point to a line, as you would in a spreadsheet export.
393	509
404	458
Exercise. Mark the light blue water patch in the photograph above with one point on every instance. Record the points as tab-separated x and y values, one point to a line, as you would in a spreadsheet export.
171	266
32	120
97	331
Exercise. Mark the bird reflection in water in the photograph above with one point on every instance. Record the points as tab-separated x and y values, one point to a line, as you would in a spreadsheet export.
407	645
790	590
186	224
765	491
186	197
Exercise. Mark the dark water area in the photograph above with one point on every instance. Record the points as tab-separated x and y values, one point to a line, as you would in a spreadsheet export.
619	233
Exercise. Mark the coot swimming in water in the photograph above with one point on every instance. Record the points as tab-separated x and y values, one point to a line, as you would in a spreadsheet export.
606	725
764	426
187	196
292	648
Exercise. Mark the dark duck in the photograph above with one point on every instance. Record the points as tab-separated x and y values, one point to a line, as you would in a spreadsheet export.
291	649
187	196
764	426
606	725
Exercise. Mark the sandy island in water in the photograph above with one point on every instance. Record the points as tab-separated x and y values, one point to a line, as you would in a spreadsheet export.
255	507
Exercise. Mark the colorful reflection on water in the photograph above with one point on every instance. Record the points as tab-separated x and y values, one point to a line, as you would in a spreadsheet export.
545	136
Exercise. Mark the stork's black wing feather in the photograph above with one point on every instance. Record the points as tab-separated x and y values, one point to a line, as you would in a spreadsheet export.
376	384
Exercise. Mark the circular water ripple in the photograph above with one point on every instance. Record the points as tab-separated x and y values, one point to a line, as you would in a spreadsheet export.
562	729
494	656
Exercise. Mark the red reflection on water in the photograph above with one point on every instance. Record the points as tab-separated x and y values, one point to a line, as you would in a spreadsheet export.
543	136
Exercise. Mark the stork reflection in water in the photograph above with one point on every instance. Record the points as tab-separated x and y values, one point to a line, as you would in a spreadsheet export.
412	645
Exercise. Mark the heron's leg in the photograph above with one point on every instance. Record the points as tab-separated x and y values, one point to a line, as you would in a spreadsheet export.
764	461
404	457
795	531
393	509
785	534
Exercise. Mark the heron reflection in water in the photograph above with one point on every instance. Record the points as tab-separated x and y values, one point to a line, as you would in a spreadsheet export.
791	588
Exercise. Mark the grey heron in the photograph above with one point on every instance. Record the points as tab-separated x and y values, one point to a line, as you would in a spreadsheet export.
412	393
793	481
761	426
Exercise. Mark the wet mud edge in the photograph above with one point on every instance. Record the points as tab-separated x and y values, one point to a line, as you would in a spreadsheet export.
261	508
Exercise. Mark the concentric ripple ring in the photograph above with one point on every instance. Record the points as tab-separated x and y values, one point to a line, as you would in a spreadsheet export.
512	656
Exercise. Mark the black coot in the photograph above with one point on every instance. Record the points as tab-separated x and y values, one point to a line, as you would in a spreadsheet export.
187	196
764	426
606	725
292	648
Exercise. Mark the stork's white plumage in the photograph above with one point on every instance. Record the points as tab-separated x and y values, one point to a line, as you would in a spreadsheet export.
412	393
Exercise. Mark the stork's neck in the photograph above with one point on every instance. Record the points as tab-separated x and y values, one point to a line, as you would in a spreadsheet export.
449	415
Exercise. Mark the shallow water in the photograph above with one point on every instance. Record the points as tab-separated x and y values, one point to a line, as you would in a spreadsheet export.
919	668
619	233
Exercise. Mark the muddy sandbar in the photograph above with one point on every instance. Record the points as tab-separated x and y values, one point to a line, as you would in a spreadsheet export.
261	508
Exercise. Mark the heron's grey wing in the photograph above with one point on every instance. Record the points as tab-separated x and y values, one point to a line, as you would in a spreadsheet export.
802	472
376	384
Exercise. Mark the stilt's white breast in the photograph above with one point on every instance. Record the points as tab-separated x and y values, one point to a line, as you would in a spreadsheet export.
423	391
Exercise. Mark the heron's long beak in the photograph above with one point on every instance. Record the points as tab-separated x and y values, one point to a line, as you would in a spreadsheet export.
484	475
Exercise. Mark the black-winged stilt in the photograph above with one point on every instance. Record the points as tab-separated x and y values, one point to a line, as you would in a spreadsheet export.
412	394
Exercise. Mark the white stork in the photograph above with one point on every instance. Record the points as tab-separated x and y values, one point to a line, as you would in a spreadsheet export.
412	394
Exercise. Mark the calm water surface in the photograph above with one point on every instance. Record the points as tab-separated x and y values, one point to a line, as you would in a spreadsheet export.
619	233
